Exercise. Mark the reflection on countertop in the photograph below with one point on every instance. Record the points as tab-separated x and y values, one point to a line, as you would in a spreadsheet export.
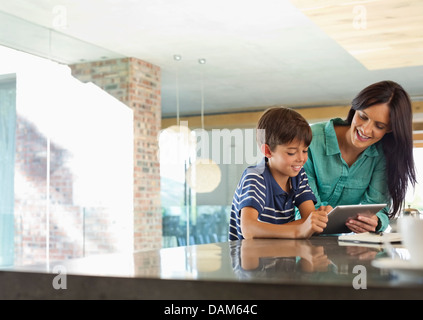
320	263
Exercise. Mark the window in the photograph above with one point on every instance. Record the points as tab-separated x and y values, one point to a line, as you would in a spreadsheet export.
414	198
191	217
69	182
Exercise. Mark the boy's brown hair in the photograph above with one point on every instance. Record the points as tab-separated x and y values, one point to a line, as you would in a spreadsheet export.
280	125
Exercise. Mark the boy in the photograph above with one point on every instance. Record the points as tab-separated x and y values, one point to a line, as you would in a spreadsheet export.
264	202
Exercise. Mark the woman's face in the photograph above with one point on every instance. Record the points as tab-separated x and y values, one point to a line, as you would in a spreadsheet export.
370	125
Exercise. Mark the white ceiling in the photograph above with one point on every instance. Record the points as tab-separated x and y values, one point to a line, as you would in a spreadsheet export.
258	53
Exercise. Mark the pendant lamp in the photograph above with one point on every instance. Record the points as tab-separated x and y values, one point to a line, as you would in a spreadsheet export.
178	136
203	175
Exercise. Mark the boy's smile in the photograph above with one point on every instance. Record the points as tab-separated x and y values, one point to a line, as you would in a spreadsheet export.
297	168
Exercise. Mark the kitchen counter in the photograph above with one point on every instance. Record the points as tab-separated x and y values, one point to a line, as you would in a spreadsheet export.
318	268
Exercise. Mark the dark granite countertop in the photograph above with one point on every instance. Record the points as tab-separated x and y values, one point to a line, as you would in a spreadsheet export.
318	268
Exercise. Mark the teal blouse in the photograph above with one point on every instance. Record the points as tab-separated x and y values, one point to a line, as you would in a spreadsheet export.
335	183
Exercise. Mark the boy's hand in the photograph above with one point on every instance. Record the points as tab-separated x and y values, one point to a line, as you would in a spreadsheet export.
326	208
316	222
319	220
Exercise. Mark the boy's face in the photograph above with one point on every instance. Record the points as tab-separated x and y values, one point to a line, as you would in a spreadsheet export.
287	159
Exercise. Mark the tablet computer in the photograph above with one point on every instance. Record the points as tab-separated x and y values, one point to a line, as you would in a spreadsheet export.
339	215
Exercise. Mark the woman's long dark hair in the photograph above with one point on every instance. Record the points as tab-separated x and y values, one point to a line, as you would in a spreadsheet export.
397	144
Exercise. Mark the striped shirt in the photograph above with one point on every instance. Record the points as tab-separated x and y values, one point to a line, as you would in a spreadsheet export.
258	189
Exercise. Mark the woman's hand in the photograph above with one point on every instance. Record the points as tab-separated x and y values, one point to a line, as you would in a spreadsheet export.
362	223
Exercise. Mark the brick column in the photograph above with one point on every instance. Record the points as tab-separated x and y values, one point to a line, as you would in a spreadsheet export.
137	84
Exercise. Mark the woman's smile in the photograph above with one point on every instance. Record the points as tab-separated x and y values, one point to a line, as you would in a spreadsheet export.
361	137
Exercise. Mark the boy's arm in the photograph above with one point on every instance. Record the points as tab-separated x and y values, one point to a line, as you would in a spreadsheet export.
307	207
253	228
312	221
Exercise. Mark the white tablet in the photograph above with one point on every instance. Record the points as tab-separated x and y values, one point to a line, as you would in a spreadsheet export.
339	215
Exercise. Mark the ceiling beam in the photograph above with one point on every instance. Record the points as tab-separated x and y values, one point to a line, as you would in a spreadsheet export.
249	119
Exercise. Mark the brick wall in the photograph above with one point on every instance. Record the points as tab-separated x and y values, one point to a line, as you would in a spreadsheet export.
137	84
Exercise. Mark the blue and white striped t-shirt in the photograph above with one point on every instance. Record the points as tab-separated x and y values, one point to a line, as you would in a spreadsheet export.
258	189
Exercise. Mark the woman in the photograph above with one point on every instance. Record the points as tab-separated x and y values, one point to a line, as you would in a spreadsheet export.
368	158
